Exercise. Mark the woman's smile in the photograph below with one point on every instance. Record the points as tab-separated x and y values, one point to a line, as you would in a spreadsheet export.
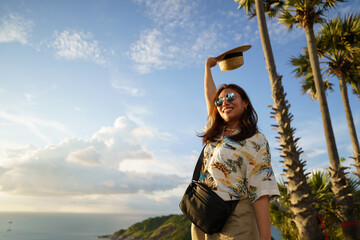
227	109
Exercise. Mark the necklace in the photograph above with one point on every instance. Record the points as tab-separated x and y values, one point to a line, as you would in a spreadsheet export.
231	131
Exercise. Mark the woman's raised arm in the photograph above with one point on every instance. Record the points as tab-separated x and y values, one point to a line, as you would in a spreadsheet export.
209	85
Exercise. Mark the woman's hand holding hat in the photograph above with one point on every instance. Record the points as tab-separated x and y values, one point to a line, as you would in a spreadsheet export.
211	62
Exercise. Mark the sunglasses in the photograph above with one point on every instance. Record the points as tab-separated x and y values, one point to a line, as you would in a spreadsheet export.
229	97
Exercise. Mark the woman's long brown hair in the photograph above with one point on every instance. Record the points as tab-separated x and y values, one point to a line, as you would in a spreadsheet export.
248	121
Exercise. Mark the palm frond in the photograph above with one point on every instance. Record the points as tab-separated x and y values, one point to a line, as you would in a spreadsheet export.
273	7
338	45
356	89
248	6
286	18
305	12
304	72
301	64
331	3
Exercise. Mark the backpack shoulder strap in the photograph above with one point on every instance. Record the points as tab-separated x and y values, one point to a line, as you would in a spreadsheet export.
198	166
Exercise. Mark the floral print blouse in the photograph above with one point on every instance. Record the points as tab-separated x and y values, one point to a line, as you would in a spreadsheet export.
238	170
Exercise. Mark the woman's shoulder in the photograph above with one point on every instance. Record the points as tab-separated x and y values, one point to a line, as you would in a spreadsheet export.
258	137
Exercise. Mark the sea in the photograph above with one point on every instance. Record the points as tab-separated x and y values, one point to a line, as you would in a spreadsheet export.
62	226
68	226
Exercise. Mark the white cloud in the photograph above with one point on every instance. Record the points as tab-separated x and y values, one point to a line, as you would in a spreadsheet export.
35	125
29	97
112	161
350	7
88	156
121	87
170	13
140	132
152	50
313	142
248	29
280	35
79	109
240	27
131	166
178	36
72	45
15	28
205	42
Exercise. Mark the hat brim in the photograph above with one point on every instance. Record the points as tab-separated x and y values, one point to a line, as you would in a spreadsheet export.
234	50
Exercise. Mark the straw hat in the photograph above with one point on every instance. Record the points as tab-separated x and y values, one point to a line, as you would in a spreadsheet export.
233	58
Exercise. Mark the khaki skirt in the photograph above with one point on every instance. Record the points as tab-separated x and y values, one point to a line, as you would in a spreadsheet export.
240	225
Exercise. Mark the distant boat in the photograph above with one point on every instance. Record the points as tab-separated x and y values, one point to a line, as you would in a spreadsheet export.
9	229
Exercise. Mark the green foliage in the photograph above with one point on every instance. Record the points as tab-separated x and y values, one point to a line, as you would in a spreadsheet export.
304	12
146	227
323	196
354	184
181	228
280	215
172	227
338	45
304	72
324	202
121	231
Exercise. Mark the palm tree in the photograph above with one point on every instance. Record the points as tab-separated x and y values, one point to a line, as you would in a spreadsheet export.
338	44
304	14
302	204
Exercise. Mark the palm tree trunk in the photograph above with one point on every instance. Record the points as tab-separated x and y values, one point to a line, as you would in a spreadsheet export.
350	123
302	204
343	198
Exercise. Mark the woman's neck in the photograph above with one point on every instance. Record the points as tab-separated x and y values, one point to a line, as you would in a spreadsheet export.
232	126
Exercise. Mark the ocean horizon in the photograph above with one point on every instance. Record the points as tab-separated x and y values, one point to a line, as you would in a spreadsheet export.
68	226
63	226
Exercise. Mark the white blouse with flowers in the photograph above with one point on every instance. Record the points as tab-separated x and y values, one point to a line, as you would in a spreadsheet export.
238	170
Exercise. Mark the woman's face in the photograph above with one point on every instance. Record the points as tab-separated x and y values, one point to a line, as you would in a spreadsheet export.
231	111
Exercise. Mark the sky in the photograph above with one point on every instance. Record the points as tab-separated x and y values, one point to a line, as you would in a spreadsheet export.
101	101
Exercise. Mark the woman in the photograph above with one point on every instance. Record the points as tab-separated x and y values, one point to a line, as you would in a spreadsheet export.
236	162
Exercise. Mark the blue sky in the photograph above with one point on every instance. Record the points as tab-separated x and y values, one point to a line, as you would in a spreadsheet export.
101	101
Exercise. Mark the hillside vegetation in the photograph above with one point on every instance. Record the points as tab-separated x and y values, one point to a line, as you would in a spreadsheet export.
172	227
